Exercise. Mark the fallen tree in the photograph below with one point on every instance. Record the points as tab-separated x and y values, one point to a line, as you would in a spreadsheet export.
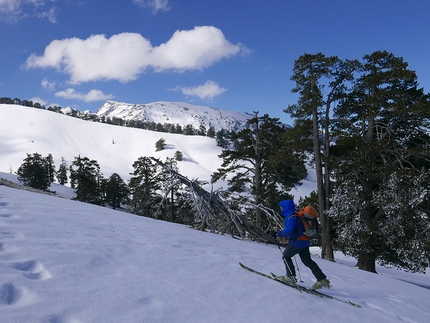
215	214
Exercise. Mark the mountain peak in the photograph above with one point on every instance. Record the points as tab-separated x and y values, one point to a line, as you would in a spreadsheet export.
175	113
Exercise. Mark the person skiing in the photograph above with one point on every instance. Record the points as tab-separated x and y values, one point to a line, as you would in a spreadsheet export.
298	244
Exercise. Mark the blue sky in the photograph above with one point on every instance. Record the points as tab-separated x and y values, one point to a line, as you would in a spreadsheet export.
233	55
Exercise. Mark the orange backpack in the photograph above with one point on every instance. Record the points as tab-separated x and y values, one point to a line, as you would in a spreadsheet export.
308	215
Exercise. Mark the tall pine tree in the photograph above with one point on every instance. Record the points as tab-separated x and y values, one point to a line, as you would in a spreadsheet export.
144	186
382	171
261	164
86	178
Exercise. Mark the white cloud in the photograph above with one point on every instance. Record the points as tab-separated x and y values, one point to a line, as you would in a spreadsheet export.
93	95
14	10
124	56
9	5
38	100
10	10
207	91
156	5
193	49
48	85
51	14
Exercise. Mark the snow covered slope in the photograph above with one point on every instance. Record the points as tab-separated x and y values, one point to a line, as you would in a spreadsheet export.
175	113
28	130
64	261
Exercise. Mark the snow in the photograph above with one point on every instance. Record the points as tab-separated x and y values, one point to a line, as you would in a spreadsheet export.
67	261
28	130
175	113
63	261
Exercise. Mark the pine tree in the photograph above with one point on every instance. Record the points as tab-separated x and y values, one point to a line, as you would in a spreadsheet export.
85	176
34	172
260	163
170	185
211	132
144	186
383	140
320	82
50	168
116	191
222	138
62	172
160	144
178	155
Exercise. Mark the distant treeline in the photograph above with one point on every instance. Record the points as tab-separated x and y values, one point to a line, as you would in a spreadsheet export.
187	130
143	195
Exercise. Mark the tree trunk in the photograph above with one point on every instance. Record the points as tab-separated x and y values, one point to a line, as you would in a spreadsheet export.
172	207
367	262
327	250
257	174
367	259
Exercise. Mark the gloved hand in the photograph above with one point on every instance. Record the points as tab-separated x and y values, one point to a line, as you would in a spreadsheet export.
273	234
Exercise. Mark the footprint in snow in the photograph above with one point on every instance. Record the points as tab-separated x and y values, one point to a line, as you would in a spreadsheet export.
63	319
11	294
9	216
33	270
12	235
4	247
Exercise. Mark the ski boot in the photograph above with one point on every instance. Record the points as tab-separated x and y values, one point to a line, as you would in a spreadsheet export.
323	283
290	280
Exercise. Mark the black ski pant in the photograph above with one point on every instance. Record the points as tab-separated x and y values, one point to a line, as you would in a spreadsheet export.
305	256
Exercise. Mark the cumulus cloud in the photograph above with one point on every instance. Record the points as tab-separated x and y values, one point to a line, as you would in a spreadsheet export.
156	5
207	91
95	58
93	95
193	49
124	56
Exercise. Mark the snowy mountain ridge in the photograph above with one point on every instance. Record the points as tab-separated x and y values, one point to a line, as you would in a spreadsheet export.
175	113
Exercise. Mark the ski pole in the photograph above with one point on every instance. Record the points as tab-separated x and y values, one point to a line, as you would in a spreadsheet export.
283	258
286	263
298	269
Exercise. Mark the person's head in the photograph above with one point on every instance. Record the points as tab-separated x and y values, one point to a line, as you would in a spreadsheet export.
287	207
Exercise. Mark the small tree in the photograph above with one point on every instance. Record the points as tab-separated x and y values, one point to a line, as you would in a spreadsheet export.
62	172
211	132
178	155
160	144
50	167
116	191
87	179
34	172
144	186
222	138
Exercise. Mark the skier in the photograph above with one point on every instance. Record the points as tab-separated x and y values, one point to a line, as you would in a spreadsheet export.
298	244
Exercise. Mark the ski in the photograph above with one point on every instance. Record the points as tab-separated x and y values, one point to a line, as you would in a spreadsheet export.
300	288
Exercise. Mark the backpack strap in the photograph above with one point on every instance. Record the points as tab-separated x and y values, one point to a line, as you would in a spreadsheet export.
302	236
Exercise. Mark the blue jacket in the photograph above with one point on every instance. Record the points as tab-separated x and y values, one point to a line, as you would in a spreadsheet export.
293	226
